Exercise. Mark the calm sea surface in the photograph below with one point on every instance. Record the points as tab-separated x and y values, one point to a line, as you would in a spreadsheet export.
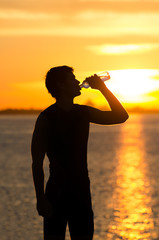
123	163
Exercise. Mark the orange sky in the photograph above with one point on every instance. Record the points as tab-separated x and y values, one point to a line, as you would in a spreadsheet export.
91	36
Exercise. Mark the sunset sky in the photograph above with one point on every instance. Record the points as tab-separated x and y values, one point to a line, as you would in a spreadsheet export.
91	36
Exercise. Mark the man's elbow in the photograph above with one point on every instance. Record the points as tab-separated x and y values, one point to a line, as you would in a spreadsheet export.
123	118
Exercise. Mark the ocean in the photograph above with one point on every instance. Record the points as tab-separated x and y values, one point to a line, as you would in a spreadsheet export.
123	163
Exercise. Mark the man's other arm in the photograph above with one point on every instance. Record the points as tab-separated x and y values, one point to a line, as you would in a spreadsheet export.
38	150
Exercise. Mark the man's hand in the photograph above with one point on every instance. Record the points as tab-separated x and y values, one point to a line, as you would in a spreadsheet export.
95	82
44	207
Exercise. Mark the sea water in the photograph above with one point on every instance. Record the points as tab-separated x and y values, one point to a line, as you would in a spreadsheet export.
123	162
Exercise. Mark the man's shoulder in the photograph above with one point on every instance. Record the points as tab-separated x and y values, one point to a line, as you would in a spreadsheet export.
52	111
82	110
81	106
42	119
48	109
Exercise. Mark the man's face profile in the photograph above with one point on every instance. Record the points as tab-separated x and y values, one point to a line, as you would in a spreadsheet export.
71	86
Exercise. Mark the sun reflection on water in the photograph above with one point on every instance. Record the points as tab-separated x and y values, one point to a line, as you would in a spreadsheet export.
132	217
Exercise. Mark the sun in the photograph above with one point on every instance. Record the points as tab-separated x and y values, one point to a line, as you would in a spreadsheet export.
133	84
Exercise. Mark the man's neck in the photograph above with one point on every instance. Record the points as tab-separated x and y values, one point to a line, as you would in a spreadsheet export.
65	104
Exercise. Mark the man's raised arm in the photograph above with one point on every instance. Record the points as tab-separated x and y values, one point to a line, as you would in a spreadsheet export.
117	114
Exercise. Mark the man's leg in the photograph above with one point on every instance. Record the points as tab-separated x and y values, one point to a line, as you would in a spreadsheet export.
81	225
55	227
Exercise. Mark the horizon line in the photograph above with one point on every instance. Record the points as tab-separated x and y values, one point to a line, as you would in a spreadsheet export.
8	111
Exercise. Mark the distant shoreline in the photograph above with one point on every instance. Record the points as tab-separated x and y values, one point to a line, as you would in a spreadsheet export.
20	111
37	111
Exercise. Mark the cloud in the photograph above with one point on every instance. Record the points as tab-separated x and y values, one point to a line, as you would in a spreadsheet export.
78	18
11	14
156	77
129	6
154	93
84	24
75	6
127	1
113	49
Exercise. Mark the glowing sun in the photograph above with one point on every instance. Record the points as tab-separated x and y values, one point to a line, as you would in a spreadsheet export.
133	84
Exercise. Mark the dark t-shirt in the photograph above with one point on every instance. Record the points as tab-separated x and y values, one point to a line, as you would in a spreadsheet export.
67	149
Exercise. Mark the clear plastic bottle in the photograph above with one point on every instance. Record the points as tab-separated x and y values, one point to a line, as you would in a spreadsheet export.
104	76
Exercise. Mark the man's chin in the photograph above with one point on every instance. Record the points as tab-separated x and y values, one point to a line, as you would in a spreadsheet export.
78	94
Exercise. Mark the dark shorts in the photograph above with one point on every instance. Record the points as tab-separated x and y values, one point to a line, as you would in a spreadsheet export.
76	212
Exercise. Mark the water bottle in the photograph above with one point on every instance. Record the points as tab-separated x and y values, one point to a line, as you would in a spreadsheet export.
104	76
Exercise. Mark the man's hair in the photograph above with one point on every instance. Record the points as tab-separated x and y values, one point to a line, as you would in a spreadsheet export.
55	75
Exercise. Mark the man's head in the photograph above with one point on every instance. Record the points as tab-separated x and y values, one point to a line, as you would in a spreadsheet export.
61	80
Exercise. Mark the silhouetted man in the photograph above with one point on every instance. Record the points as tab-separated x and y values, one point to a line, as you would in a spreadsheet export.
61	132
